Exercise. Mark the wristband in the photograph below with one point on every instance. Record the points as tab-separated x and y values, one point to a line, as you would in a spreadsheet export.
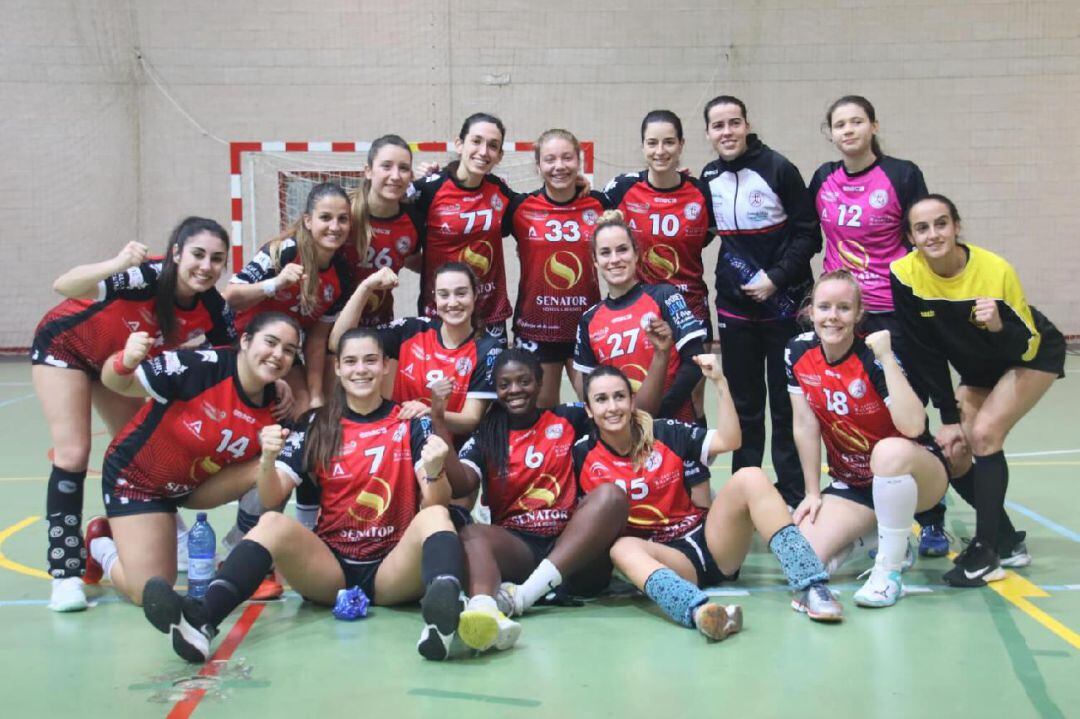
269	287
119	367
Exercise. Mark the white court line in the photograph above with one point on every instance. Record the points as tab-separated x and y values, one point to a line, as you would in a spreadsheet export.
15	384
13	400
1047	453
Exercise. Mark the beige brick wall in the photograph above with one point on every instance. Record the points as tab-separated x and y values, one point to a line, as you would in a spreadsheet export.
980	94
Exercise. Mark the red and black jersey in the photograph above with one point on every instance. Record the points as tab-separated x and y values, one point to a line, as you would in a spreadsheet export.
82	333
660	506
334	281
850	401
464	224
538	492
415	342
671	227
392	240
199	421
553	243
611	333
369	493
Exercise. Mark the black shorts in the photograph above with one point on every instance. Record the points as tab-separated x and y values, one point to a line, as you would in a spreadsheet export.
127	506
360	574
858	495
546	352
1050	358
460	516
538	544
497	330
696	549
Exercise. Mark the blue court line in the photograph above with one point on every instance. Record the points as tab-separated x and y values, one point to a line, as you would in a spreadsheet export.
1048	523
13	400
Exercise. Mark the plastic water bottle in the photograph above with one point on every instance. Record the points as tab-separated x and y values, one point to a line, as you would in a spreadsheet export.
746	273
202	545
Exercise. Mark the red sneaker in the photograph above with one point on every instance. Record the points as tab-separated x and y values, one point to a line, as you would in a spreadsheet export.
96	527
269	588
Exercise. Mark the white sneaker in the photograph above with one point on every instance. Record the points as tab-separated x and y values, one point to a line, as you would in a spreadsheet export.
482	628
68	595
508	601
883	589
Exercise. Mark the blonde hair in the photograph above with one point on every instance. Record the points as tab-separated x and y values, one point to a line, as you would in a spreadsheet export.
305	245
612	218
840	275
358	198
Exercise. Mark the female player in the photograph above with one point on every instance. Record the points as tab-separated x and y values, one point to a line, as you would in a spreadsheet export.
175	302
962	305
884	463
302	274
187	447
553	227
450	346
540	533
383	524
766	220
463	207
611	332
861	201
387	229
672	547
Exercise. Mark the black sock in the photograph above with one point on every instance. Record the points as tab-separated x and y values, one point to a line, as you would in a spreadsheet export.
63	507
442	555
237	580
934	515
965	487
991	481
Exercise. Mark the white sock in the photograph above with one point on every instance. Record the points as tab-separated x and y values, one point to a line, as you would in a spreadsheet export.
307	516
181	527
895	499
103	550
544	579
482	602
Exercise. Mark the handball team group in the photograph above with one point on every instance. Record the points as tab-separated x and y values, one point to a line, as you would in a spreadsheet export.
297	381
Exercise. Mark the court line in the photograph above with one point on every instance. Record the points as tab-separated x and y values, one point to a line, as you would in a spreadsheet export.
486	698
1045	453
1048	523
6	563
1018	590
187	706
13	400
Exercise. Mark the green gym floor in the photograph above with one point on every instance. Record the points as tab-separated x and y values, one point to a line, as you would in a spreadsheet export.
1012	650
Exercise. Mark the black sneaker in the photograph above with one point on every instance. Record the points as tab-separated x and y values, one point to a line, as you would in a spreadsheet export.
180	617
1014	553
441	608
975	566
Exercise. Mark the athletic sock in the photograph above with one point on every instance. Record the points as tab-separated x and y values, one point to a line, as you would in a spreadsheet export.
238	578
801	566
103	550
543	579
674	595
63	507
483	602
307	504
307	516
895	499
248	511
442	555
991	482
965	487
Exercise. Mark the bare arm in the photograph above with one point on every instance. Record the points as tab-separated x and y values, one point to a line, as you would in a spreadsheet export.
434	486
728	434
466	421
701	496
905	407
245	295
125	382
463	480
82	282
807	433
350	314
274	486
315	362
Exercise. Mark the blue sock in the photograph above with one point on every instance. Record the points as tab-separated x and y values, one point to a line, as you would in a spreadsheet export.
676	596
801	566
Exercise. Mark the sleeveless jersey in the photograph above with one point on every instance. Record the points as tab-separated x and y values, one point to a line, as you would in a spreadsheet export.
82	333
671	227
538	492
416	344
559	283
851	403
392	240
199	421
333	284
464	225
368	494
862	218
660	506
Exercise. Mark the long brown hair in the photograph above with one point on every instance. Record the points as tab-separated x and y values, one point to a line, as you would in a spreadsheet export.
361	213
165	302
641	422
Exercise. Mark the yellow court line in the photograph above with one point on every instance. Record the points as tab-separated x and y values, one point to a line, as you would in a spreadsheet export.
6	563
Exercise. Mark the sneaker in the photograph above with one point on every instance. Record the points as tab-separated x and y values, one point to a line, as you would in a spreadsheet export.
269	589
975	566
507	600
933	542
96	527
910	558
1015	554
441	608
818	603
68	595
882	589
482	628
718	621
182	618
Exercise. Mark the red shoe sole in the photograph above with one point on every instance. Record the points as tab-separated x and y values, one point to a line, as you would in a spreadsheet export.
96	527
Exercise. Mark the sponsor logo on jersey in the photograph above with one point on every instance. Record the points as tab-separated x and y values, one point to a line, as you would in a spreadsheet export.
201	469
646	515
589	217
599	470
241	414
194	426
829	196
661	262
495	330
348	448
133	325
849	437
372	501
638	207
834	375
328	293
854	188
692	211
757	198
635	373
563	270
879	198
172	364
535	215
403	244
408	370
662	200
463	366
554	431
207	355
540	494
853	255
533	234
444	210
479	256
653	462
857	388
926	313
810	380
372	433
263	261
213	412
399	433
338	472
